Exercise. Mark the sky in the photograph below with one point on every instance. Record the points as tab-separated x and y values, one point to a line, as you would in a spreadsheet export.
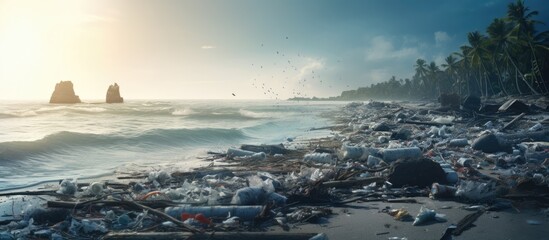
212	49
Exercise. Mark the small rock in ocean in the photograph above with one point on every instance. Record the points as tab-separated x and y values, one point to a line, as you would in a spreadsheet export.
64	93
113	94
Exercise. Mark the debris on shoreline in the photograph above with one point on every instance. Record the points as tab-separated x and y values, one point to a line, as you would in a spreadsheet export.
381	152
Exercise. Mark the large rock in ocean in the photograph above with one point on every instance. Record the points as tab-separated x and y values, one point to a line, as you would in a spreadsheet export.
113	94
64	93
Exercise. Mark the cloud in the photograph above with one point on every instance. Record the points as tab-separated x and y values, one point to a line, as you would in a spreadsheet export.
382	49
441	37
207	47
308	68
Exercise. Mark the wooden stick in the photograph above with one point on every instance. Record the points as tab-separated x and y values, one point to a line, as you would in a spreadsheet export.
427	123
349	183
513	121
401	200
78	205
30	193
210	236
466	222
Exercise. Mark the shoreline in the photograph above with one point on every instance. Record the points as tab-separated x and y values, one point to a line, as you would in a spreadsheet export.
349	215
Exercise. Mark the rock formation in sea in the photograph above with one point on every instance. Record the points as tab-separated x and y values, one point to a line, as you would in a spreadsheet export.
64	93
113	94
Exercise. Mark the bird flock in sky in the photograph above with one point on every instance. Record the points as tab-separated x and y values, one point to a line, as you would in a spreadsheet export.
288	74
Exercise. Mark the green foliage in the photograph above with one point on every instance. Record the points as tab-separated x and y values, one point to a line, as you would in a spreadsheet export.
511	59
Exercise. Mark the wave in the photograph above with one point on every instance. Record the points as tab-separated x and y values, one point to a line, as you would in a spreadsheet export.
82	109
63	142
183	112
16	114
219	114
51	110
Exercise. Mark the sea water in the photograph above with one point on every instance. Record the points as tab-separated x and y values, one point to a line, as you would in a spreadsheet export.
42	142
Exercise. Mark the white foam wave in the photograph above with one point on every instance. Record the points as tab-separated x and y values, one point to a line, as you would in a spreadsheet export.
71	108
251	114
28	113
183	112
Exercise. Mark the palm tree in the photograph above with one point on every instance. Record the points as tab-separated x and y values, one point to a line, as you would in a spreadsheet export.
464	68
523	31
477	54
421	69
498	32
450	66
432	73
519	15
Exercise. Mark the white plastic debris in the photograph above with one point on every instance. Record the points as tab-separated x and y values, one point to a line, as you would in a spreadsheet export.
477	191
318	158
235	152
67	187
458	142
243	212
158	178
353	152
426	215
232	222
373	161
536	127
444	120
320	236
393	154
95	188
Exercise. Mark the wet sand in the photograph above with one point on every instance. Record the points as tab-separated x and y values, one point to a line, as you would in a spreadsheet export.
366	221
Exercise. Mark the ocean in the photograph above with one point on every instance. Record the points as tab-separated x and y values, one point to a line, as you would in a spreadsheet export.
41	142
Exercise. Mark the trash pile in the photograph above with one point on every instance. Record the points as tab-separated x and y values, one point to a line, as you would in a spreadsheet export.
386	152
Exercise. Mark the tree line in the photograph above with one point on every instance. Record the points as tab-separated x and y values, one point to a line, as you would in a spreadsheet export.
510	58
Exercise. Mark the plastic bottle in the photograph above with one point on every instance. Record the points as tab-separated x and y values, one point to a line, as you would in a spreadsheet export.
234	152
465	162
352	152
439	190
458	142
373	161
393	154
318	157
536	127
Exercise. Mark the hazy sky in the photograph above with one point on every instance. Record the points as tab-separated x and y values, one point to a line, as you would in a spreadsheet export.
211	49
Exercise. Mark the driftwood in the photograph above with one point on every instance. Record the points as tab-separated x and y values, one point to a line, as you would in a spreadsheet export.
110	203
268	149
427	123
509	124
31	193
466	222
210	236
515	138
401	200
350	183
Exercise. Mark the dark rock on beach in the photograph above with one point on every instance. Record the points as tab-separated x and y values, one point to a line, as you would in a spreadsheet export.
113	94
471	103
489	143
421	173
64	93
